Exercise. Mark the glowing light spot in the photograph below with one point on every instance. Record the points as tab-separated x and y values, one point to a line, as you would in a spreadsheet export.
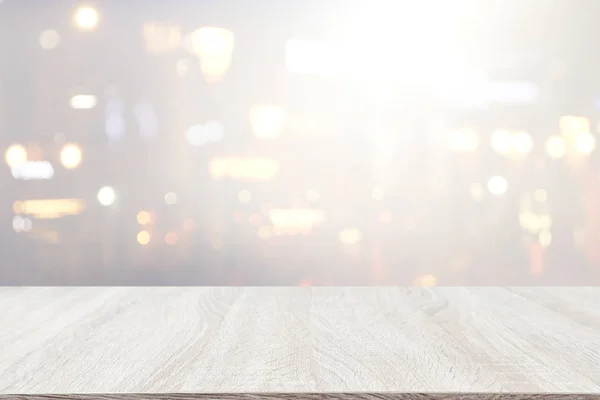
70	156
378	193
143	238
49	39
86	18
170	198
143	217
15	156
171	238
350	236
497	185
106	196
556	147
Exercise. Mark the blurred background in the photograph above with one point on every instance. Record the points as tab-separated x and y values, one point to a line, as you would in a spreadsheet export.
299	142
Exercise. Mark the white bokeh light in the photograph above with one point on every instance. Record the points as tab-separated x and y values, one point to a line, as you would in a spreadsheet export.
107	196
497	185
49	39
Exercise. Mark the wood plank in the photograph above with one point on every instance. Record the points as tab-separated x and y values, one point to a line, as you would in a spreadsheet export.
320	342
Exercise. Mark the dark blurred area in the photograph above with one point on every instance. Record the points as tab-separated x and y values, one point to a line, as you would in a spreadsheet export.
299	143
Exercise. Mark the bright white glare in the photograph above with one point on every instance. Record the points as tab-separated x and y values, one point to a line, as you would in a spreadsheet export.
200	135
21	224
522	142
70	156
83	101
33	170
295	220
463	140
312	57
585	142
241	168
513	92
214	47
107	196
497	185
378	193
556	147
86	18
170	198
266	121
15	155
49	39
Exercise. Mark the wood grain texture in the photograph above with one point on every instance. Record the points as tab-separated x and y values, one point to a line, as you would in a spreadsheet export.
409	343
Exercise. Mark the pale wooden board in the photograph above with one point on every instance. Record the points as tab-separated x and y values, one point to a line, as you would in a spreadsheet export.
493	341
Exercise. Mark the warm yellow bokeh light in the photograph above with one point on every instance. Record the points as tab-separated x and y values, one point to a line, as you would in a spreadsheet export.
585	142
144	217
143	238
522	143
556	147
15	155
426	280
214	47
86	18
70	156
573	125
266	121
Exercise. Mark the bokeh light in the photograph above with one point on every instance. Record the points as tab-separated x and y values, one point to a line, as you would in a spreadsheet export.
49	39
106	196
585	142
170	198
143	238
214	47
497	185
83	102
143	217
70	156
171	238
266	121
556	147
86	18
15	155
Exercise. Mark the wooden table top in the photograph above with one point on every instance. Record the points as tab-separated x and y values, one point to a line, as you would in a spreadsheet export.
339	342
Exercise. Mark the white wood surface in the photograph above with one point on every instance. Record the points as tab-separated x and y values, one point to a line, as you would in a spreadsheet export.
324	339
